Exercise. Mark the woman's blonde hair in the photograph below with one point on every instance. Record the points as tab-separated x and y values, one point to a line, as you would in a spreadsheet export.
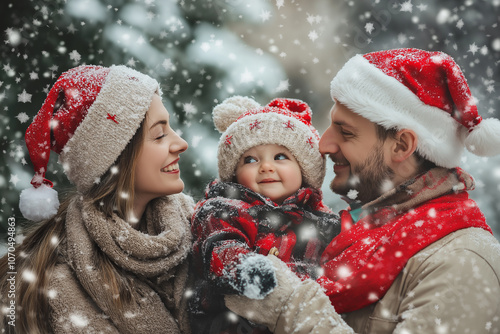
39	251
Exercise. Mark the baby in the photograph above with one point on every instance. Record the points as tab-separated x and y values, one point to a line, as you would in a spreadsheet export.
266	201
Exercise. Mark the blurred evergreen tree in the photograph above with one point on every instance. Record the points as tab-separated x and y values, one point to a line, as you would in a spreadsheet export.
183	44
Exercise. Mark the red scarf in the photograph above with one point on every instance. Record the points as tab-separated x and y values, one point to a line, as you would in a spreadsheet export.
362	262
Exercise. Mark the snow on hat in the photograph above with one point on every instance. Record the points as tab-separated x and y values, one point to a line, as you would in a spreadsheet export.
422	91
245	124
88	118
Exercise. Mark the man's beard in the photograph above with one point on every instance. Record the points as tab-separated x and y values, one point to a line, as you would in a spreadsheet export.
370	179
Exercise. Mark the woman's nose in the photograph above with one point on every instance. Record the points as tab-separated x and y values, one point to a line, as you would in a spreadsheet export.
179	145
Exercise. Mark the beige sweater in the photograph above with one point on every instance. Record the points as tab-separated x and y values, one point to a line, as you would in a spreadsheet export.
452	286
154	261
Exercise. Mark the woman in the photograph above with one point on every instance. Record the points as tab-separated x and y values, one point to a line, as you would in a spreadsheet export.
113	257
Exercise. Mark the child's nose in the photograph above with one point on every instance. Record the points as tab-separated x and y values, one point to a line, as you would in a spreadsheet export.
267	166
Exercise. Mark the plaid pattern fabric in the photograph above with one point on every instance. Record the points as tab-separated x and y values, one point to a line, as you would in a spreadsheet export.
233	221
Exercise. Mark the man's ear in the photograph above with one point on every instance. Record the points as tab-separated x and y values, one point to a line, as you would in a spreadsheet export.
405	143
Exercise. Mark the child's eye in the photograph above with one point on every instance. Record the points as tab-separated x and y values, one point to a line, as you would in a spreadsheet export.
249	160
280	156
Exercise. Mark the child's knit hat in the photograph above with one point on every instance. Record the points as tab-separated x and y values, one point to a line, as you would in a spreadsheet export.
88	118
245	124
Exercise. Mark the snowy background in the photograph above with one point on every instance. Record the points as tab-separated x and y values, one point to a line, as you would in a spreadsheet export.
204	51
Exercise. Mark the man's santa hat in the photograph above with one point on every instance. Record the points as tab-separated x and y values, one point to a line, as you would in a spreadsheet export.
422	91
244	124
88	118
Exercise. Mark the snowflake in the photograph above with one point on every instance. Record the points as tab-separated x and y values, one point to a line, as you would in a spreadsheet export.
74	55
352	194
131	62
313	19
24	97
246	76
52	293
167	64
283	85
460	24
406	6
14	36
313	35
205	47
22	117
369	27
280	3
422	7
196	140
33	75
79	320
402	38
29	276
14	179
189	108
265	15
473	48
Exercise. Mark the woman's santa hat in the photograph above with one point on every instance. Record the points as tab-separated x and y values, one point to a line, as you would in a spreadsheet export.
287	122
422	91
88	118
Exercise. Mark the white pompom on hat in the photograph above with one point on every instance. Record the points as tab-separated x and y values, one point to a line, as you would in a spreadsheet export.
88	118
422	91
287	122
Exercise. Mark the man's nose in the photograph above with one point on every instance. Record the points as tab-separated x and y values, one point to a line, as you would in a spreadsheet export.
328	143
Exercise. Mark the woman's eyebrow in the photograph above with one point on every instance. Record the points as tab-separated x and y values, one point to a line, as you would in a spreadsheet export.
160	122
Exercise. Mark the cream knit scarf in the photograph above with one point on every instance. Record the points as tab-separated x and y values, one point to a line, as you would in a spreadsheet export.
154	261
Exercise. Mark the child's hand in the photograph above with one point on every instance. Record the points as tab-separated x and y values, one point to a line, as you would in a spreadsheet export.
255	276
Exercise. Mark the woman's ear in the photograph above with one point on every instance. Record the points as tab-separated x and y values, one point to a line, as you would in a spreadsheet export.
405	143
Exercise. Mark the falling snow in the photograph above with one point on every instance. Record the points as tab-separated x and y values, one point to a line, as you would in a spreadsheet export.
407	6
283	86
22	117
75	56
313	35
369	27
24	97
473	48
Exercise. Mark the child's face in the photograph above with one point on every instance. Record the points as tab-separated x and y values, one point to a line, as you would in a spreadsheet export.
157	170
270	170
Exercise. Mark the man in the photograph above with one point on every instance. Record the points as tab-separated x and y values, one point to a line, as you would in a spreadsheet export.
415	254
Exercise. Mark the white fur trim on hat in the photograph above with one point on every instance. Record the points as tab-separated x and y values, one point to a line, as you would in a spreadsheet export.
382	99
99	140
484	139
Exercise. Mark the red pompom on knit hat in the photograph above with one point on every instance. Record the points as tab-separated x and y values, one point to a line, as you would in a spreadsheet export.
422	91
88	117
287	122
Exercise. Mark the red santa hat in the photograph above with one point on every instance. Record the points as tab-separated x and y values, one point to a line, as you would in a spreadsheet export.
88	118
422	91
287	122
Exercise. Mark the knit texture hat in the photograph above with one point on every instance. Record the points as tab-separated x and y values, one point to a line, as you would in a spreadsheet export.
422	91
245	124
88	118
